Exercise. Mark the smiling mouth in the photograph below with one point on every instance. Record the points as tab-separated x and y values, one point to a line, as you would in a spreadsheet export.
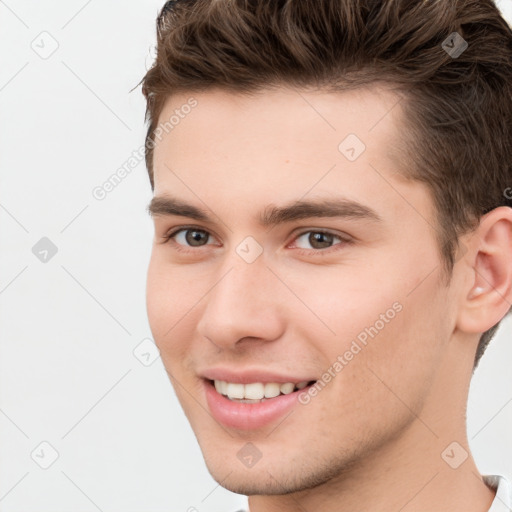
258	391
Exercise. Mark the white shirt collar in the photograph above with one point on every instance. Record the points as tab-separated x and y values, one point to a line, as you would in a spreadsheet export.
503	500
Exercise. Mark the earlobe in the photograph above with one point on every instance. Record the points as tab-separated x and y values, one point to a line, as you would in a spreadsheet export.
490	296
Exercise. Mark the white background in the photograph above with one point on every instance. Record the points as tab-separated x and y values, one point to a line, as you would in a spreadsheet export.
68	374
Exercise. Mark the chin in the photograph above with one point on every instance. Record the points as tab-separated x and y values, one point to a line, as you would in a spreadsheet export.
272	475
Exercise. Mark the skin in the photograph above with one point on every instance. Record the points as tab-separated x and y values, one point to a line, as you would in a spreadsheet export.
372	438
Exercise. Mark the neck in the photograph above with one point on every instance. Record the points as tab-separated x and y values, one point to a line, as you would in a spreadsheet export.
398	478
426	467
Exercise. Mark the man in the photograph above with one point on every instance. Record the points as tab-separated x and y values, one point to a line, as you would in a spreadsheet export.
333	242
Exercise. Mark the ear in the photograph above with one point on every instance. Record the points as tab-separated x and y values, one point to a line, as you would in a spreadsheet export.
487	297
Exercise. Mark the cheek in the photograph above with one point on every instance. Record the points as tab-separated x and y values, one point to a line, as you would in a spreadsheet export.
157	301
173	300
377	366
390	316
401	356
166	300
337	304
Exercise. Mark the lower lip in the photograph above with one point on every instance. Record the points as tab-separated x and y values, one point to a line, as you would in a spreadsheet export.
246	416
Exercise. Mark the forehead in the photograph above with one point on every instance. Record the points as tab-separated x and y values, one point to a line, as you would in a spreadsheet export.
283	114
281	144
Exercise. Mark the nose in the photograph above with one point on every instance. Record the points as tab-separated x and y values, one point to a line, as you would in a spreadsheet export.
246	302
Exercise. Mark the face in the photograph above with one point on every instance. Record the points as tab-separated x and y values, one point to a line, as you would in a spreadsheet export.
244	288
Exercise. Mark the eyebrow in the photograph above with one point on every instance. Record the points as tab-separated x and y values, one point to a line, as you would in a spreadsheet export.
272	215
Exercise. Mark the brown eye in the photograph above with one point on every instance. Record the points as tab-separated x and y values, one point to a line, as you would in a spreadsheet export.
316	240
320	240
189	237
195	237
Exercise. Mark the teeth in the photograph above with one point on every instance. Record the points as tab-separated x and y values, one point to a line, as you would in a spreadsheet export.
256	390
235	390
287	388
272	389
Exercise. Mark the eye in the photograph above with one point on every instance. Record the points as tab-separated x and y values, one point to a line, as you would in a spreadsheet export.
189	237
317	240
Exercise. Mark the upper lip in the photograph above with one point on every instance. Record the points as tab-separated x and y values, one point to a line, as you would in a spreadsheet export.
250	375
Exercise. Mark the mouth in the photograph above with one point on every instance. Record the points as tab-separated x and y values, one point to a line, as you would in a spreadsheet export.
256	392
242	412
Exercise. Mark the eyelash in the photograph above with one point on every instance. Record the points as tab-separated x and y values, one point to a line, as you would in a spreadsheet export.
168	238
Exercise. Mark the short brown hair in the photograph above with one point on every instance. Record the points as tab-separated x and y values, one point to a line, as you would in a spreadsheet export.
458	107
